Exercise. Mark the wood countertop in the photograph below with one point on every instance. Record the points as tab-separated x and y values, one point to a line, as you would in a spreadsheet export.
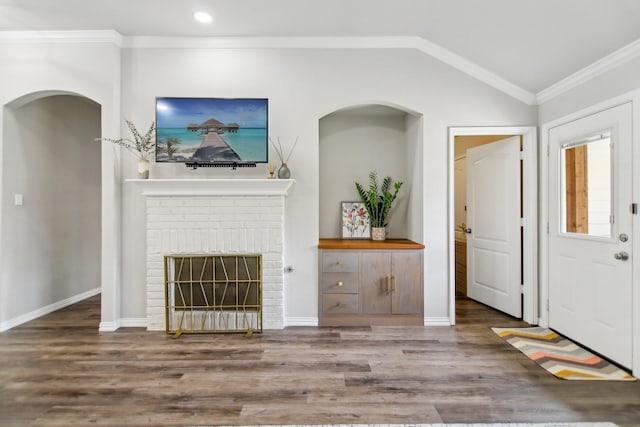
368	244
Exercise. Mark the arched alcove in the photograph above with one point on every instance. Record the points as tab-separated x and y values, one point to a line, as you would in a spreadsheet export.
51	204
358	139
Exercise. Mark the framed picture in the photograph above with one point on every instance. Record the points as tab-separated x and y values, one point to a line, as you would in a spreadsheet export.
355	221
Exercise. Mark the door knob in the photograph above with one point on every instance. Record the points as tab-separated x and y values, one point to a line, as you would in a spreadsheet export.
622	256
467	230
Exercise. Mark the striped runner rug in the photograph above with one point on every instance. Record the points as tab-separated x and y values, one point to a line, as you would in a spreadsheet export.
576	424
561	424
561	357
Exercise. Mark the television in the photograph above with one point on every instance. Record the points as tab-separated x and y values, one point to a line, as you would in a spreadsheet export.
212	131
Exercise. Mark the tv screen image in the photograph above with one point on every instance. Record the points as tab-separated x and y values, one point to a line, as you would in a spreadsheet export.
212	130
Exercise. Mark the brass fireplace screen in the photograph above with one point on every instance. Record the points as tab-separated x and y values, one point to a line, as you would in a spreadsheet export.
213	293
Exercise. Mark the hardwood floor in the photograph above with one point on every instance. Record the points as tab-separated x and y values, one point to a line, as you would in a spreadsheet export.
60	371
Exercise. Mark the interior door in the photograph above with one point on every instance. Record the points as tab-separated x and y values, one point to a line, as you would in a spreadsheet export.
494	252
590	272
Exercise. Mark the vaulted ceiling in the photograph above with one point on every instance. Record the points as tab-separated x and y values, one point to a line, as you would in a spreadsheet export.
531	44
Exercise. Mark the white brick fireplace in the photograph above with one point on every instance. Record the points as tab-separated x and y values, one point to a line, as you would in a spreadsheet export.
216	216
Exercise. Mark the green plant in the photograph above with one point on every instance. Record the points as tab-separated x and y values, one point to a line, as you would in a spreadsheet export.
144	145
378	199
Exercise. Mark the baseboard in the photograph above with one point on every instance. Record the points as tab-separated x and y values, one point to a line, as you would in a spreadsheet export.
27	317
108	326
301	321
133	322
437	321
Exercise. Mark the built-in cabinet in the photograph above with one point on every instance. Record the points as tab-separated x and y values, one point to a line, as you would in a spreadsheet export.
370	283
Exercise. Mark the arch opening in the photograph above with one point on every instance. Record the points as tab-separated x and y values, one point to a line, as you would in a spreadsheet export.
357	139
51	204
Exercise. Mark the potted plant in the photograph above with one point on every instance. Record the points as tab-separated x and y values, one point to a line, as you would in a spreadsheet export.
142	145
377	201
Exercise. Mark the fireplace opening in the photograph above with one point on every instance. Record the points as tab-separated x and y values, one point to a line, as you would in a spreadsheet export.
207	293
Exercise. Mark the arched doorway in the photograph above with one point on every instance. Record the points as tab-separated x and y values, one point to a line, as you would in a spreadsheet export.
51	205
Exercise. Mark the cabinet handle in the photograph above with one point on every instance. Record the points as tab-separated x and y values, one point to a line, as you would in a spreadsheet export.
338	305
340	284
388	288
339	262
393	283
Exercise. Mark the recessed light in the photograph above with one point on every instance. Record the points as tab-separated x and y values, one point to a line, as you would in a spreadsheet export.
202	17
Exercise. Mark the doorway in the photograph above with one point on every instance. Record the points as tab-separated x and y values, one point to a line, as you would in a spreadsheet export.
631	98
479	136
51	210
590	238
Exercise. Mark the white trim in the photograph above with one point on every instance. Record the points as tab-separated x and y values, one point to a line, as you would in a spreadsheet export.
634	98
158	42
390	42
133	322
530	219
300	321
214	187
42	311
609	62
109	326
93	36
601	66
474	70
437	321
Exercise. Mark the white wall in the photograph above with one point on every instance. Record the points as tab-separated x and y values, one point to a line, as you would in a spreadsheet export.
303	85
50	244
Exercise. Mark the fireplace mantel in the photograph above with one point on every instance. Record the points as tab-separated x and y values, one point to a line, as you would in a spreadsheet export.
214	187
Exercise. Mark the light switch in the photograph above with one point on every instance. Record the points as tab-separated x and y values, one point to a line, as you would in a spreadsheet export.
18	199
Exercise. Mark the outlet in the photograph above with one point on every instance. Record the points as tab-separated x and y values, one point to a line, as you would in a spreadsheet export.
18	199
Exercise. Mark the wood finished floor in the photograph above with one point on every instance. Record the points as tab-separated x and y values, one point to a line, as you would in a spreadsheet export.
60	371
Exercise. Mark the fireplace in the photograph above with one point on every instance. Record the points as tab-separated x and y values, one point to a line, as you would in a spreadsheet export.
216	216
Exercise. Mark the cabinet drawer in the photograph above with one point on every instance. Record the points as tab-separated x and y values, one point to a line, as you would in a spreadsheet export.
340	304
339	283
336	262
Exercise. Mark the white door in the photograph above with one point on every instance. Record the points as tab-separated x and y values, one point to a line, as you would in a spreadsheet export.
590	273
493	225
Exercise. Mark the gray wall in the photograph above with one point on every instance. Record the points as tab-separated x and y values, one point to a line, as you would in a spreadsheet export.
50	244
303	86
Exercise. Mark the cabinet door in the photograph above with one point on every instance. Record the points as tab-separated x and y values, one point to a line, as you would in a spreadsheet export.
375	288
406	282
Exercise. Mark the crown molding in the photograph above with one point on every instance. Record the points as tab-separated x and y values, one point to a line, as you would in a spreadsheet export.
608	63
617	58
387	42
99	36
390	42
474	70
156	42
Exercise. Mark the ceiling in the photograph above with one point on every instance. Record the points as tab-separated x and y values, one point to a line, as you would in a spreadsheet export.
529	43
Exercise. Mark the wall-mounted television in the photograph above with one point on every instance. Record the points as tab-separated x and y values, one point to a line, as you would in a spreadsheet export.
212	131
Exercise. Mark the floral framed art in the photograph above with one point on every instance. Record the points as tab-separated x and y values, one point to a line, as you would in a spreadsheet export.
355	221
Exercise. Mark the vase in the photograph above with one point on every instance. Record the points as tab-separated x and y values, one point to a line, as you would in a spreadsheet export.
143	169
378	233
284	172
